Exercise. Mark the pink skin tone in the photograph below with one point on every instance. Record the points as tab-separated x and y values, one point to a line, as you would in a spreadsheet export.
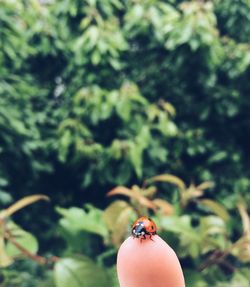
148	263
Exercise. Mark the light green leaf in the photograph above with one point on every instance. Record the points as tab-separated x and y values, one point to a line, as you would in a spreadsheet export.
135	154
170	179
5	259
180	225
5	197
22	238
218	157
117	216
77	219
212	225
79	272
216	208
65	142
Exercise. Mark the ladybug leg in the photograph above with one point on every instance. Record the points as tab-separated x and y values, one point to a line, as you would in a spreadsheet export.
143	237
151	237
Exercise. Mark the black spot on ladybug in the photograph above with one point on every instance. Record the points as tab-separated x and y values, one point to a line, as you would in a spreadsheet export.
152	227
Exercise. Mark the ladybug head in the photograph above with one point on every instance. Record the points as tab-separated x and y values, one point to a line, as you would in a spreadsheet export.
139	230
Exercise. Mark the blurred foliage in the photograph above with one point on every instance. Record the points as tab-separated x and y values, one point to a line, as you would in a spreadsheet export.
96	95
212	250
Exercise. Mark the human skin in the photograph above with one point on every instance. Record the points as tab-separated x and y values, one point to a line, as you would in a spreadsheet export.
148	263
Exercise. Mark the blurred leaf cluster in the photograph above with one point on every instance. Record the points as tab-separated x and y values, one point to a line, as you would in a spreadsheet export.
204	234
97	95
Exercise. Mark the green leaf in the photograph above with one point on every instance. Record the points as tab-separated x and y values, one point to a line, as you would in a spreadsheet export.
113	273
169	178
80	272
3	181
23	238
135	154
5	197
117	216
218	157
240	279
180	225
216	208
5	259
77	219
210	225
194	279
65	142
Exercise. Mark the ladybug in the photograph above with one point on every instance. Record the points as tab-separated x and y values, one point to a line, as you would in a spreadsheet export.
143	226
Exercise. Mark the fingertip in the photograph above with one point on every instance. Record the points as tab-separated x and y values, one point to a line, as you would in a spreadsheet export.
148	263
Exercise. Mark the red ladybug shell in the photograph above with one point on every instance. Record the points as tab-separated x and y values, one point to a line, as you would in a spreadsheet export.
142	227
